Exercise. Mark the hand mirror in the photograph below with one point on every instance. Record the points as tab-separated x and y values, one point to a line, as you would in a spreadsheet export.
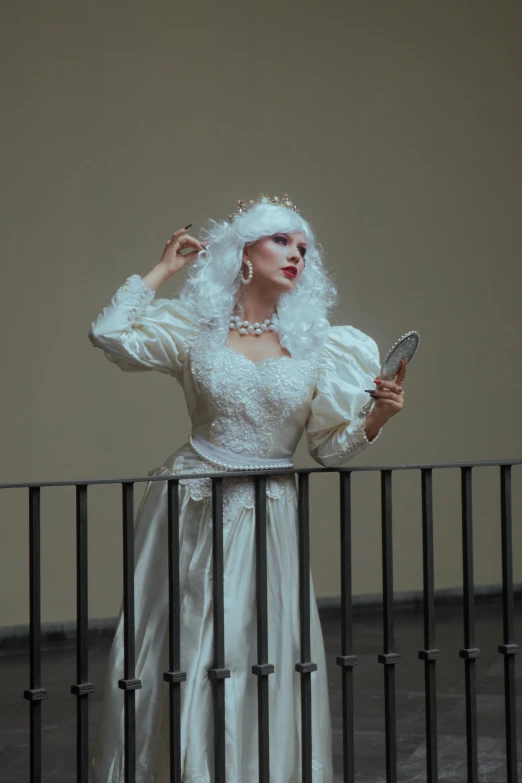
404	348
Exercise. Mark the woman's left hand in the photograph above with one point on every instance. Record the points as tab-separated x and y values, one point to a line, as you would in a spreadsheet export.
388	396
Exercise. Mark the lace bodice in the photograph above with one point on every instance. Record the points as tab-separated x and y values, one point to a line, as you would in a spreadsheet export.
253	409
250	408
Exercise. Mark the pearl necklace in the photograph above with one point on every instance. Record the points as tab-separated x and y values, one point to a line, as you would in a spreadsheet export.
245	327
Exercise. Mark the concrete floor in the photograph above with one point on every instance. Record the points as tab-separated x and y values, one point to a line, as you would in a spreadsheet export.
59	710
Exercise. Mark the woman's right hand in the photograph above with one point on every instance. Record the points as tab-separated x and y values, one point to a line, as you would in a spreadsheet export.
172	259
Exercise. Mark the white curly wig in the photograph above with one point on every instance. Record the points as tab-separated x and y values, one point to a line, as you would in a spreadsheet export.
212	287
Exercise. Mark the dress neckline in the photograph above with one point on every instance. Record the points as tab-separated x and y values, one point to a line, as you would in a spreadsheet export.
260	361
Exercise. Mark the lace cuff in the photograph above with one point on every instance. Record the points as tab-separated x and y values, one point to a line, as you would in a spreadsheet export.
363	429
358	442
134	292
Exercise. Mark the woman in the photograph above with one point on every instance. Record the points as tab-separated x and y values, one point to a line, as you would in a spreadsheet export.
249	341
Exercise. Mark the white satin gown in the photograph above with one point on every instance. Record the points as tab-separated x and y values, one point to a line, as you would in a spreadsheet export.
243	414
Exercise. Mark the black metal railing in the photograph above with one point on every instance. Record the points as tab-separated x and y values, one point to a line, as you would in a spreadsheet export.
219	672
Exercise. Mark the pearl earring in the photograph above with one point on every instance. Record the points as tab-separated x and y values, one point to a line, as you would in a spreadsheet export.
248	279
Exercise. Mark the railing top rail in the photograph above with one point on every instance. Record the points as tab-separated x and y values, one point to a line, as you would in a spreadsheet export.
276	472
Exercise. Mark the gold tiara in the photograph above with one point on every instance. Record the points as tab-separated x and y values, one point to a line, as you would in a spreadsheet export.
244	206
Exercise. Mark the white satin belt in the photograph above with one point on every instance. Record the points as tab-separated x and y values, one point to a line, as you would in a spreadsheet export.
230	459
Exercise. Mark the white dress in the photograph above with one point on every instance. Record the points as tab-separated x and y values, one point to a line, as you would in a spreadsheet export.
246	412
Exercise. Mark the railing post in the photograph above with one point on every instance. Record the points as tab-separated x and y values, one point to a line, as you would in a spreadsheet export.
305	666
35	693
347	660
82	688
430	653
389	657
174	676
508	648
218	673
262	669
469	653
129	684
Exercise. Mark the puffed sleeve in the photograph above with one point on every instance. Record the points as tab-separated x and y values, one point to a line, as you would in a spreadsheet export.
349	363
138	332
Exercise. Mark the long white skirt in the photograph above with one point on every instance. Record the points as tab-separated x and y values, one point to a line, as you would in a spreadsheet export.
151	613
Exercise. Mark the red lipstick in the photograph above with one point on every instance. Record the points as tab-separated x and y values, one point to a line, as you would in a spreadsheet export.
291	271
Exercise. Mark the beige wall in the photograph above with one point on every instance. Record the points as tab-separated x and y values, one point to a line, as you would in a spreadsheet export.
395	127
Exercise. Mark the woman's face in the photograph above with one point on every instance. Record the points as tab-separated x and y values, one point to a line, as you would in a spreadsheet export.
277	260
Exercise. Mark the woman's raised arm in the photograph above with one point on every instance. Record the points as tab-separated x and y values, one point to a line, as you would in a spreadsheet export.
137	333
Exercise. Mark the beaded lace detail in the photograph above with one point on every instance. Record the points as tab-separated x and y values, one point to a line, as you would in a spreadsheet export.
134	295
134	292
238	492
359	442
250	400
